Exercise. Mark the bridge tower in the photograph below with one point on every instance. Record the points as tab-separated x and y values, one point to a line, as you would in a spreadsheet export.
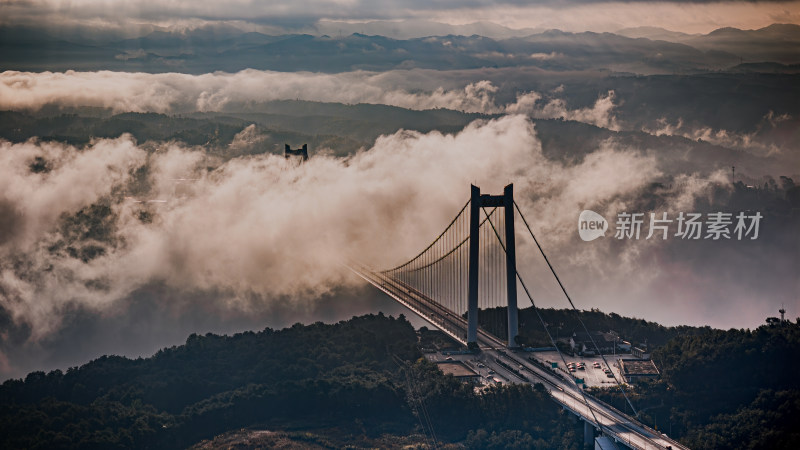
505	201
301	152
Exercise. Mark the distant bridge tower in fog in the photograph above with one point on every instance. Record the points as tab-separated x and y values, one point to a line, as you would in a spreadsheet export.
288	152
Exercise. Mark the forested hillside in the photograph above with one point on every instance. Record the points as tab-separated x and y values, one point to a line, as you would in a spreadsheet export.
359	380
561	323
725	389
363	381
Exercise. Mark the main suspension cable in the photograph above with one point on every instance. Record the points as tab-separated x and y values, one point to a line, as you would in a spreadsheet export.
432	243
564	290
561	355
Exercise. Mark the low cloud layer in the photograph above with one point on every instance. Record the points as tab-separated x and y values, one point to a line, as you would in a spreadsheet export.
418	89
757	141
763	133
601	114
176	93
255	229
117	228
91	227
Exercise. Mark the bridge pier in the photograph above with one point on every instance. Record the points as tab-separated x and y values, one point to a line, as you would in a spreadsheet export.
588	434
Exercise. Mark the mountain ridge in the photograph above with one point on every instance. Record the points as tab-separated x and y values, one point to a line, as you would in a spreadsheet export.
642	51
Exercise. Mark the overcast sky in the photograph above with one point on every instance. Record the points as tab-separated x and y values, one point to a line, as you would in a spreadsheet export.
303	15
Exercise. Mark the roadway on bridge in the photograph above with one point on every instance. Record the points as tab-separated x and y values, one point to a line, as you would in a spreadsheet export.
617	425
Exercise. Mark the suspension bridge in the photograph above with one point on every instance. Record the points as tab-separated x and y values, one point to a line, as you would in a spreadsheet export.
470	269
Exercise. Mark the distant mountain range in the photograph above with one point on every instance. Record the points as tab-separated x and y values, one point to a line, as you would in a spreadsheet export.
635	50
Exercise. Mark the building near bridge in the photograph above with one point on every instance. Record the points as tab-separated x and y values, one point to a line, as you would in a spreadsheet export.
640	353
582	342
460	371
638	369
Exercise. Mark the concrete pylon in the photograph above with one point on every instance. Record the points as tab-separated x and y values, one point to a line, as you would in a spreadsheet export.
588	434
505	201
474	248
